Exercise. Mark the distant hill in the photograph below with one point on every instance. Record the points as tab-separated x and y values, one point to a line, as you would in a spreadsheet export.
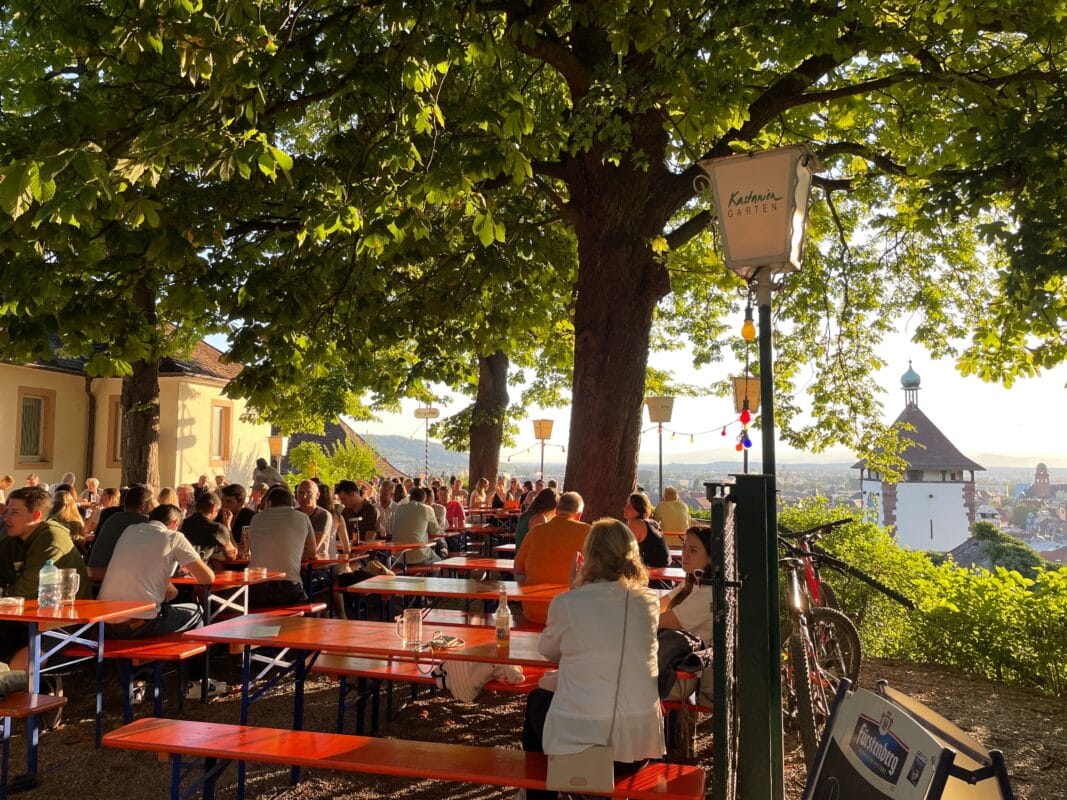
408	455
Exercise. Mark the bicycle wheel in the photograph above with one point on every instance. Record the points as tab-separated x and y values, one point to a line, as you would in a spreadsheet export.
838	652
800	678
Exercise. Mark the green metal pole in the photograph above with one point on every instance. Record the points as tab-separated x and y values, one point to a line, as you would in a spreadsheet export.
773	657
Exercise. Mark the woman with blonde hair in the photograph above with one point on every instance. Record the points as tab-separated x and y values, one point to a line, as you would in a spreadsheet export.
479	496
65	509
167	497
602	634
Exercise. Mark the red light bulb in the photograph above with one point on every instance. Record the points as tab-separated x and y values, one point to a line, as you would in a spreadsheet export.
739	447
746	417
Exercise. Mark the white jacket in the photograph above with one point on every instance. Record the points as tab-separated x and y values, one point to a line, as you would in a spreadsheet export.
584	634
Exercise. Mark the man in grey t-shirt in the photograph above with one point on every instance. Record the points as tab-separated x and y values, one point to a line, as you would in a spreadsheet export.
415	521
140	570
280	537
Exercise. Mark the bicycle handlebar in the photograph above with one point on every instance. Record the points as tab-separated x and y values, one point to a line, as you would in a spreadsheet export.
829	526
828	560
843	566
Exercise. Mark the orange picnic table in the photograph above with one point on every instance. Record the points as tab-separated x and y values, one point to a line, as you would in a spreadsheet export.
458	588
300	640
51	630
475	563
229	590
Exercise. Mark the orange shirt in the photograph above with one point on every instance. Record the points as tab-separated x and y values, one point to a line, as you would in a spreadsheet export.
546	556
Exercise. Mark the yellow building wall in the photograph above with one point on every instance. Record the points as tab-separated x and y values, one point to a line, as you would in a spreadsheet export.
184	429
69	423
109	473
191	436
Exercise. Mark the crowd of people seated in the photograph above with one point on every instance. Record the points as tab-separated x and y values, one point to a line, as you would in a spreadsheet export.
137	538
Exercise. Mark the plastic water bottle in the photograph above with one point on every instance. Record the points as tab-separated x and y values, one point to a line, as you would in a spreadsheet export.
48	586
502	618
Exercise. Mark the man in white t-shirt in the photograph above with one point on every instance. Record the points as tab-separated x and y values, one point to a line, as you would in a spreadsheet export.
140	570
280	537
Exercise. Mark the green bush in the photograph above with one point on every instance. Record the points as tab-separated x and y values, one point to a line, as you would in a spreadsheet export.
346	461
1002	624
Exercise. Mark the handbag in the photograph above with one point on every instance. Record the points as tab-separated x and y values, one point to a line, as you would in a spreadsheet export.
592	769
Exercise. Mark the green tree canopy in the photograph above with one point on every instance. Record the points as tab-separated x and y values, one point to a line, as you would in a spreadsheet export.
933	122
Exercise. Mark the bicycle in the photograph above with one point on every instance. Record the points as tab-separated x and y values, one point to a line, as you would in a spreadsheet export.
822	645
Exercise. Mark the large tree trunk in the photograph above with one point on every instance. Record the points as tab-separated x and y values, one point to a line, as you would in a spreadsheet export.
487	420
617	212
140	407
612	326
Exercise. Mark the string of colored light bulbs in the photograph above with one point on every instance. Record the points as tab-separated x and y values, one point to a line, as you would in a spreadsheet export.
743	442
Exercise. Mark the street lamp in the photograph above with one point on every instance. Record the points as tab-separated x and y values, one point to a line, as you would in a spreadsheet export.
542	432
761	201
659	412
279	448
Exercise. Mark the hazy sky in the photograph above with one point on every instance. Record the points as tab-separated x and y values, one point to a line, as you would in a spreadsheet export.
988	423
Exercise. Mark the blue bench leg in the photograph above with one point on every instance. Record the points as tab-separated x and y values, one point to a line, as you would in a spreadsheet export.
181	687
175	777
342	696
126	679
6	753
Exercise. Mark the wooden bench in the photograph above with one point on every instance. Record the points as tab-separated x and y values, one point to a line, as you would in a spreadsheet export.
680	718
144	658
22	705
371	672
220	744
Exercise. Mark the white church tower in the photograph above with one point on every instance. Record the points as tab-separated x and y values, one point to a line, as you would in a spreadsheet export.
934	507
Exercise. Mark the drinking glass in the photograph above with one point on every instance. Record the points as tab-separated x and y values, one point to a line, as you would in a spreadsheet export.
69	583
409	627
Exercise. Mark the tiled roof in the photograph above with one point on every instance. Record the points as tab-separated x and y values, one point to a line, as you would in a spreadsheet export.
971	553
335	432
204	360
936	451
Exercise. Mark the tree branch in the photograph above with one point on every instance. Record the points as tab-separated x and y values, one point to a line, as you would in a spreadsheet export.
558	56
688	229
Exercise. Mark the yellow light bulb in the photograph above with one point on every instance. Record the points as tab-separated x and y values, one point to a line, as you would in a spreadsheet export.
748	330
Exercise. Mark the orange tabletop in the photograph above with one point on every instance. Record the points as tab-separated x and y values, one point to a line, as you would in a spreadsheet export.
463	588
676	574
391	547
359	637
315	563
472	563
79	612
484	528
231	578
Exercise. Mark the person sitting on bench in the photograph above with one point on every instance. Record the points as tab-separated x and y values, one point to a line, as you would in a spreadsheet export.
140	570
280	537
685	613
606	683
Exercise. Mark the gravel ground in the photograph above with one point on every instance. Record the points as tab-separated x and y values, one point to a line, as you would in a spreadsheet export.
1030	728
